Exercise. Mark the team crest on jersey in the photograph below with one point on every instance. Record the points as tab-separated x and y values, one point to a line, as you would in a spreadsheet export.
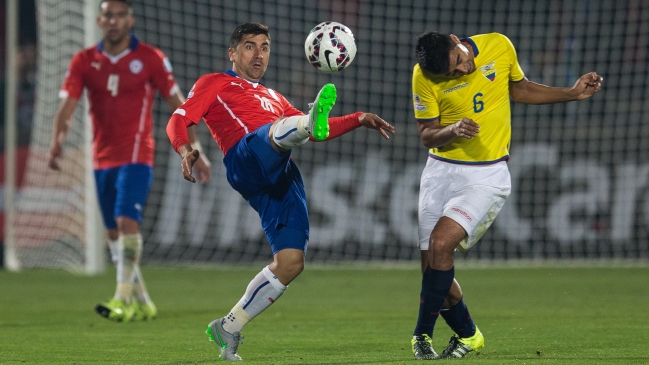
416	101
489	71
136	66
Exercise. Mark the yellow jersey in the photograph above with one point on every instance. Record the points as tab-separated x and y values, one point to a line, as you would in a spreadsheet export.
482	96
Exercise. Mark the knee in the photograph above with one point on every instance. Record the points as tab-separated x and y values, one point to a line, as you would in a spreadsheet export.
295	268
441	245
287	265
441	251
127	226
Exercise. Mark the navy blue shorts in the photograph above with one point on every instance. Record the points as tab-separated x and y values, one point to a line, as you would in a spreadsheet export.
122	192
271	183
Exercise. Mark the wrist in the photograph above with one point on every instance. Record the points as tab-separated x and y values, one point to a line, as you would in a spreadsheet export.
185	150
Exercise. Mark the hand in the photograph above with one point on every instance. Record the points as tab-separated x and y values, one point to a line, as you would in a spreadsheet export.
202	167
55	152
188	161
373	121
587	85
465	128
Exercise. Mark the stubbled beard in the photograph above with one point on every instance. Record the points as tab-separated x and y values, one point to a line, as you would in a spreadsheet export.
117	41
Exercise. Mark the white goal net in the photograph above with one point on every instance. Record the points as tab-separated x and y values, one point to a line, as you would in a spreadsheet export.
580	170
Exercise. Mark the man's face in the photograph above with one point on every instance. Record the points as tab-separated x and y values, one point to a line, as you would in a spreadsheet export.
115	20
461	61
250	57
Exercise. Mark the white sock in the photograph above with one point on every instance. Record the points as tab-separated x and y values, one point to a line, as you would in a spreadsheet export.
113	247
139	287
291	132
130	248
262	291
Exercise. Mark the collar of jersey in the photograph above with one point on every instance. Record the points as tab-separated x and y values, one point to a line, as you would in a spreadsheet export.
472	43
132	46
232	73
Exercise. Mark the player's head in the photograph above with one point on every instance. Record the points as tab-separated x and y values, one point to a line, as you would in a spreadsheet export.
115	20
250	50
444	54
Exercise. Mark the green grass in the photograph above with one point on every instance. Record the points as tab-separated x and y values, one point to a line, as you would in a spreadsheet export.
330	316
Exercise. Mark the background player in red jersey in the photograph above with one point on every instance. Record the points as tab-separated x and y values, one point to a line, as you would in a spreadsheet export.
120	74
256	128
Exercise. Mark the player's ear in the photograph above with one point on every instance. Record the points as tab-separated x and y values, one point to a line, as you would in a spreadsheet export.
455	38
230	53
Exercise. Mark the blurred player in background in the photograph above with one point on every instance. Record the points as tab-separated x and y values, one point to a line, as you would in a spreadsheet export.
256	128
121	74
461	90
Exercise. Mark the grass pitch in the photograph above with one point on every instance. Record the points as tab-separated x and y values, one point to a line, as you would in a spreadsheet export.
330	316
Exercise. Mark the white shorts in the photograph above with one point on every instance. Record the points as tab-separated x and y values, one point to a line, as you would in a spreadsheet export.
471	195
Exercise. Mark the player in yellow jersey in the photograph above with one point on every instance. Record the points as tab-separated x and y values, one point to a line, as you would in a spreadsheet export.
461	91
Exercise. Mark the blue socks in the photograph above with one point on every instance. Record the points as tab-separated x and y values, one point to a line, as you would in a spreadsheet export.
459	319
435	285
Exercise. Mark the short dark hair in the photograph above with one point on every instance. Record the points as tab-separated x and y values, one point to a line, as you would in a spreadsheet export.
247	29
433	49
127	2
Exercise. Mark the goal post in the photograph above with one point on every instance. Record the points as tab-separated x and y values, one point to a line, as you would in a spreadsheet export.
11	261
56	222
95	237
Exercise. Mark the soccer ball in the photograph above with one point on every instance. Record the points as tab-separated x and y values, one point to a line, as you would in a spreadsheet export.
330	47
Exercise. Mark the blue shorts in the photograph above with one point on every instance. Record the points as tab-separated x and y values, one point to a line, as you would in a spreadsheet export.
271	183
122	192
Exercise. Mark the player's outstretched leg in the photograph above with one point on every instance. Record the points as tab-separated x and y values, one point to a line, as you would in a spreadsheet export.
319	113
294	131
227	342
422	348
460	347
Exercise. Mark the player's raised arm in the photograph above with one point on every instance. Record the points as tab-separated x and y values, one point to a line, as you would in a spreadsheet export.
62	122
529	92
347	123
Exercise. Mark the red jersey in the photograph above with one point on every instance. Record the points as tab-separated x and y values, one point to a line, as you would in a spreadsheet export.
120	91
232	106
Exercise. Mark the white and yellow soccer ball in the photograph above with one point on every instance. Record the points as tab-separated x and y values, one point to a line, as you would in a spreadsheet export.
330	47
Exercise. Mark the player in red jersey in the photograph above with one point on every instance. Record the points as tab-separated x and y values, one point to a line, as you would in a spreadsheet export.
121	75
256	128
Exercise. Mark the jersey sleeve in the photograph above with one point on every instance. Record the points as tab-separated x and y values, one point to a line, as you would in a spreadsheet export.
423	98
162	77
73	83
199	99
516	73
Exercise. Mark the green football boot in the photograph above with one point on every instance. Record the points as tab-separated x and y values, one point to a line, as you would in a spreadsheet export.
144	311
319	114
227	342
460	347
115	310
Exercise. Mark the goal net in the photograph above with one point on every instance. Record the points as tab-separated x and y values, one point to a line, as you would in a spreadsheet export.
580	170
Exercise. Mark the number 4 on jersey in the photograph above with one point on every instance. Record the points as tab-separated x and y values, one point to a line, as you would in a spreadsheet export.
113	84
